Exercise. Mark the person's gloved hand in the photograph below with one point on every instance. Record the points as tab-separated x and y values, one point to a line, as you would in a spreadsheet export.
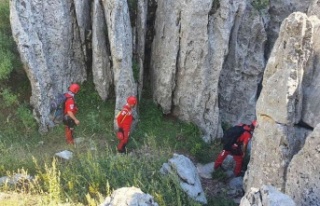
120	134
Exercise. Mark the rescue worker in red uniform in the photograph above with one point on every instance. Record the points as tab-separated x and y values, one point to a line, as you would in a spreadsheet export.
124	121
70	111
242	142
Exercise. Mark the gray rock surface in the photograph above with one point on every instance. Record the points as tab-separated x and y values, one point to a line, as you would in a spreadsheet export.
83	9
278	10
302	180
120	39
141	40
129	196
311	83
101	65
266	196
188	176
243	68
50	48
279	136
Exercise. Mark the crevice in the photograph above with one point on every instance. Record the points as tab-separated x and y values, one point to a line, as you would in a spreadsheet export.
150	33
304	125
177	61
214	7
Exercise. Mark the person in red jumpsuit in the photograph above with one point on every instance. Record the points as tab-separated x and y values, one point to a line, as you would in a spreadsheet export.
70	111
124	121
238	157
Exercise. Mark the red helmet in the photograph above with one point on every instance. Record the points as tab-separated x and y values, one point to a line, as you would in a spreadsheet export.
254	123
74	88
132	100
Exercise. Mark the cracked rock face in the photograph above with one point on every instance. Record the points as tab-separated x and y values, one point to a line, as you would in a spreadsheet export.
120	39
50	48
243	68
283	150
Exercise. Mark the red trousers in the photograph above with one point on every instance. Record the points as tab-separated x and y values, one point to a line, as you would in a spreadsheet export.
123	140
237	158
69	135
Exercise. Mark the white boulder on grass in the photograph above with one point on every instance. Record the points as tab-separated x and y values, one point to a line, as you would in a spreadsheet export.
64	154
129	196
188	176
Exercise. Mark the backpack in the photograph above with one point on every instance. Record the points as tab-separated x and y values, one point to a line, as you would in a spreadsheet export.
231	136
57	108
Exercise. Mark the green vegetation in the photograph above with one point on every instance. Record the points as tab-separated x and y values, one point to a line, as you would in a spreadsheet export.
95	169
260	4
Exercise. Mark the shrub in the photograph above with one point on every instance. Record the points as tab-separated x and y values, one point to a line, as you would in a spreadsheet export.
9	98
25	115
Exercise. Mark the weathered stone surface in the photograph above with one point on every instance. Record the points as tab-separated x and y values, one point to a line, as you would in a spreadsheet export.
188	53
142	12
314	8
278	10
303	183
120	39
83	9
165	48
188	176
49	44
101	66
311	83
281	98
273	146
243	68
266	196
129	196
278	138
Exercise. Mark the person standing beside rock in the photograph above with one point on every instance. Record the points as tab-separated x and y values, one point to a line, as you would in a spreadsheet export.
235	141
124	121
70	111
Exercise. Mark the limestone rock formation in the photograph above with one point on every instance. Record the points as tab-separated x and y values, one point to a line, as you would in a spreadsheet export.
266	196
187	56
243	68
120	39
129	196
142	11
188	176
303	183
311	83
50	48
101	58
277	12
279	136
82	10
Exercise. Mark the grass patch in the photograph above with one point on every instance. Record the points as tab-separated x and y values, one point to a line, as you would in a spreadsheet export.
96	169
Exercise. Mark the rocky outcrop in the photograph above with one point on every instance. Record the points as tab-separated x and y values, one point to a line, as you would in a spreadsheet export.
311	83
277	12
266	196
120	39
190	45
130	196
187	174
303	183
142	12
101	57
50	48
83	9
243	68
279	136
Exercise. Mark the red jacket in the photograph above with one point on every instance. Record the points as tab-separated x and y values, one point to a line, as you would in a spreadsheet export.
245	137
69	104
125	118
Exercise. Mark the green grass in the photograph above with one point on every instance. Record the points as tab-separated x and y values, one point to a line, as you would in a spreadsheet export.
96	169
